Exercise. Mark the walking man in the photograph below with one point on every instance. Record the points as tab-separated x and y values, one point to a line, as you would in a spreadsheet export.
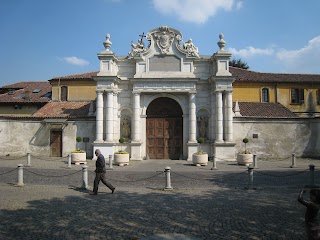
100	174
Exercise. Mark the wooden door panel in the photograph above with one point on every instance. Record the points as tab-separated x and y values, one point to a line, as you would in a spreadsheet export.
164	140
56	143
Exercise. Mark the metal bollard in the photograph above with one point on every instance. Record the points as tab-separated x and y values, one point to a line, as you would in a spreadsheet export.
311	168
250	171
28	159
20	176
110	163
293	158
168	179
214	164
84	177
255	162
69	160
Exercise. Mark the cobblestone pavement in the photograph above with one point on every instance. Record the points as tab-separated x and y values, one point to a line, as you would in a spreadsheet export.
204	203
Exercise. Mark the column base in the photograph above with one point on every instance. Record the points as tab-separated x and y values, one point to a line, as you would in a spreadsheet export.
135	151
225	151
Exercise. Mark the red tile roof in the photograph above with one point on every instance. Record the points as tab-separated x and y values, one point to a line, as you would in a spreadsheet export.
264	110
243	75
26	92
64	110
87	75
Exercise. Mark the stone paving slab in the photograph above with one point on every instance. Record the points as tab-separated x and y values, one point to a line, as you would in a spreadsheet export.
204	203
58	212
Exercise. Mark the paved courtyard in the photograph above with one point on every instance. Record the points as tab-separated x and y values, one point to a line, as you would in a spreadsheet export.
204	203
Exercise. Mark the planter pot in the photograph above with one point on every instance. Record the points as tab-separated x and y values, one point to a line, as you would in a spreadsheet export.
121	159
244	159
200	159
78	158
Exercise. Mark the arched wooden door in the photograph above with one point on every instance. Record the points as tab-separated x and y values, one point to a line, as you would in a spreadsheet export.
164	129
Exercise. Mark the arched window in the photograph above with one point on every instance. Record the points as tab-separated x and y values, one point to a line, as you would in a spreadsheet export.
265	95
64	93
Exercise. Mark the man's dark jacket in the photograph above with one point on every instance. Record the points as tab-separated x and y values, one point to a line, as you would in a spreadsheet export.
100	164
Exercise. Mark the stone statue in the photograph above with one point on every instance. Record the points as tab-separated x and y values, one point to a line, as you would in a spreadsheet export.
125	128
136	49
203	123
191	49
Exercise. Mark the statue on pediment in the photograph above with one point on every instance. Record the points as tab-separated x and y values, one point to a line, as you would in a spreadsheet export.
190	48
137	48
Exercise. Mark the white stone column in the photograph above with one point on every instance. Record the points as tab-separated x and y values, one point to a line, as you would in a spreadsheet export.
116	120
99	117
212	117
136	118
229	117
109	117
192	118
219	117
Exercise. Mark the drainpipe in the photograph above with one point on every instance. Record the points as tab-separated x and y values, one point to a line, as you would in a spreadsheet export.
276	93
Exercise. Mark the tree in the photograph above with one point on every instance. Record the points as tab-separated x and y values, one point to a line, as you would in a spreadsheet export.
238	63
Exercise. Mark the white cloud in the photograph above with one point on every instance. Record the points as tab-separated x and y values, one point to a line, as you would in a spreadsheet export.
305	59
197	11
251	52
76	61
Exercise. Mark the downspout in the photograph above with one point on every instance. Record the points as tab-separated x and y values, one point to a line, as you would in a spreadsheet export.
276	93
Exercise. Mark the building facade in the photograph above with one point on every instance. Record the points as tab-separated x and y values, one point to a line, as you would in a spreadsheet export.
163	97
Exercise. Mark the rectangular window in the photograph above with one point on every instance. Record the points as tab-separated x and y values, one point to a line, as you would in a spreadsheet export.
318	96
297	96
265	95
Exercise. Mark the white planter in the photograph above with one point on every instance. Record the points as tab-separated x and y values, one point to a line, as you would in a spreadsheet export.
200	159
78	158
121	159
244	159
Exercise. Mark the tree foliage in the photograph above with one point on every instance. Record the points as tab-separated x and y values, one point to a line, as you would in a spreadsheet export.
238	63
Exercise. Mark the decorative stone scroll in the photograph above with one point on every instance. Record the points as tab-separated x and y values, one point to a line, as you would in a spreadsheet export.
164	41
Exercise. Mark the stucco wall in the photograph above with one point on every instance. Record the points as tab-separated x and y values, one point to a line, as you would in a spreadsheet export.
278	138
18	137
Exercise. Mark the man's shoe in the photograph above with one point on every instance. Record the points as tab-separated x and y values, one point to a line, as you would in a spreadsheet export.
112	190
93	193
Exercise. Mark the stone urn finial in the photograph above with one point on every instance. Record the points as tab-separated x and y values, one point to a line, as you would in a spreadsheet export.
107	44
221	43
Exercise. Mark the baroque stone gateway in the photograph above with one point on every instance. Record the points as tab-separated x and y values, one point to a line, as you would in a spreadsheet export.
171	96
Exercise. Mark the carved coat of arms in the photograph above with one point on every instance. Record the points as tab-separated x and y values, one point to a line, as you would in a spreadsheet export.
164	39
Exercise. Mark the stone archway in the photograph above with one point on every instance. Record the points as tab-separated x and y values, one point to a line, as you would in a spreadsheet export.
164	129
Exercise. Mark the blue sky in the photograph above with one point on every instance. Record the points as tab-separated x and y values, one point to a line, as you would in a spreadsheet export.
42	39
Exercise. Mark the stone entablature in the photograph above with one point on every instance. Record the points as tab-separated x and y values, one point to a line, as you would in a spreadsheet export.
167	85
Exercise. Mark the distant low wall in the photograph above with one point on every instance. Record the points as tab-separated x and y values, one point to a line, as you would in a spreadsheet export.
274	138
268	138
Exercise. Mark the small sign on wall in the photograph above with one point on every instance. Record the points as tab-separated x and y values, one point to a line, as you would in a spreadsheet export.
255	135
85	139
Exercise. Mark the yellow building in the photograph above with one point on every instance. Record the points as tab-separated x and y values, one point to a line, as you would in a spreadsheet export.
297	92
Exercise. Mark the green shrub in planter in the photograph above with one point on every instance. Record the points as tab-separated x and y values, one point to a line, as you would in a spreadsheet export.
121	141
78	151
201	141
245	141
